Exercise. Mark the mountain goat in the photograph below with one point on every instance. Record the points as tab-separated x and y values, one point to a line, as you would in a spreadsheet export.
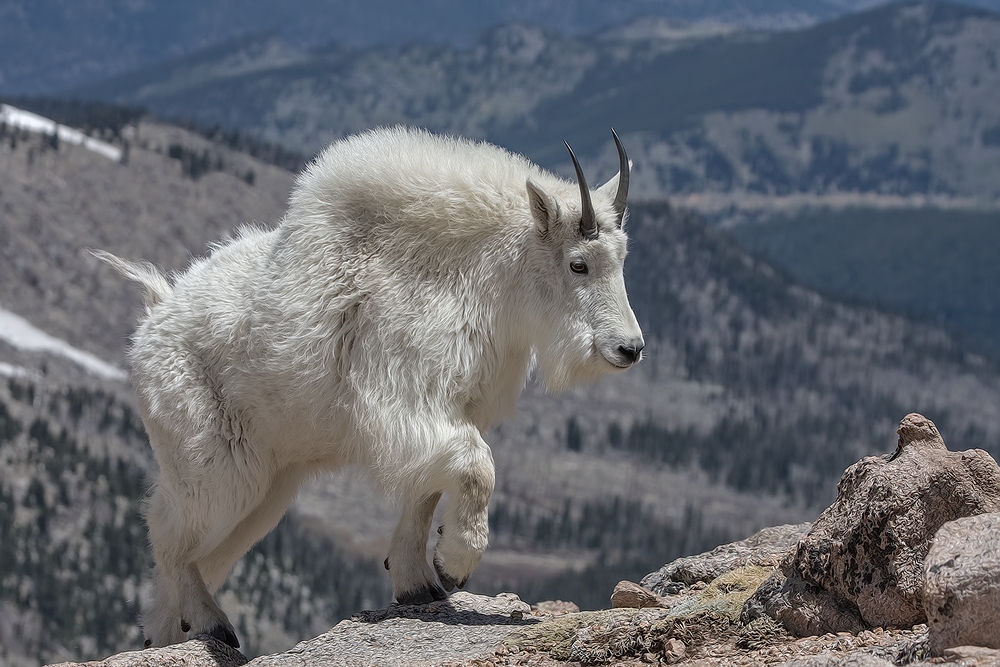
391	318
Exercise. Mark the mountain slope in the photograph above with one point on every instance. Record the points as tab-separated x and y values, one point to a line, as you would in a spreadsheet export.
871	255
74	467
59	201
753	397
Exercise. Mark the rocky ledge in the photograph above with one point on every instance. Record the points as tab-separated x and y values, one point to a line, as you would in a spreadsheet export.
902	569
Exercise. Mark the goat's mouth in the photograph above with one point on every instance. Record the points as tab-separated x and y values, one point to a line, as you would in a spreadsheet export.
622	355
617	361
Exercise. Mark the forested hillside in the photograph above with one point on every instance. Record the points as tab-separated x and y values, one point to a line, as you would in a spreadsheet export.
933	263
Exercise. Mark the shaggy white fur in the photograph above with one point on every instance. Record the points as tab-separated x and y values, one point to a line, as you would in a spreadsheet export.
387	322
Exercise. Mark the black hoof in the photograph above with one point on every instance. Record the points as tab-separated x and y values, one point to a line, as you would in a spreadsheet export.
147	643
185	626
386	562
449	582
224	634
424	595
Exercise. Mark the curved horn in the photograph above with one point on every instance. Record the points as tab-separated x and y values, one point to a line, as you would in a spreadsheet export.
588	223
621	199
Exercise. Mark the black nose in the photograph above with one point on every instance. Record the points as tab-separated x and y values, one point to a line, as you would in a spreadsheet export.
632	352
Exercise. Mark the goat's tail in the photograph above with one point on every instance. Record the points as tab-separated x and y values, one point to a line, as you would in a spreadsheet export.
155	283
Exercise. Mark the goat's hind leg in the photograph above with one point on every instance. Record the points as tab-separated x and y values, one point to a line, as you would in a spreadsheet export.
205	576
162	623
200	612
215	566
413	581
181	600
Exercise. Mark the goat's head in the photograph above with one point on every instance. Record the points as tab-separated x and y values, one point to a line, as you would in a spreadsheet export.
585	242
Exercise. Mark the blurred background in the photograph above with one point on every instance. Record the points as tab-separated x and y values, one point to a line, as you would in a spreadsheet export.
815	221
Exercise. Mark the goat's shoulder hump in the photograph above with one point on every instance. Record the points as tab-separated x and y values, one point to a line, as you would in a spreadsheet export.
396	158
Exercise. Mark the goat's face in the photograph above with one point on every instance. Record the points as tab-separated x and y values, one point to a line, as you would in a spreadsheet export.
585	246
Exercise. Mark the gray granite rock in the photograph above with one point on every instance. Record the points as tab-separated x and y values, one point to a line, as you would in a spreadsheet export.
464	627
972	656
803	609
962	586
764	548
476	631
555	607
200	652
631	595
867	549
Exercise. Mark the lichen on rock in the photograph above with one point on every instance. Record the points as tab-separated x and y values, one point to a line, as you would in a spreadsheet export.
593	638
765	548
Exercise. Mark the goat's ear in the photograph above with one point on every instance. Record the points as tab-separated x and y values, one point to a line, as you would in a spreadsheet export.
544	207
610	189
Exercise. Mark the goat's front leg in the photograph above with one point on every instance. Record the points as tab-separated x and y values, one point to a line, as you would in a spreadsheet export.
413	581
465	532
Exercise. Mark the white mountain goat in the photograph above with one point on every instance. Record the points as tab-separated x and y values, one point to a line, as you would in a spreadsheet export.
387	322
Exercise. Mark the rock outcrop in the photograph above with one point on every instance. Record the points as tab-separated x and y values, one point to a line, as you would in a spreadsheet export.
629	595
706	615
834	660
862	563
207	652
764	548
962	589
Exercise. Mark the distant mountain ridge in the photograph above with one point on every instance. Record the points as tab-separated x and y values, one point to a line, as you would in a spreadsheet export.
899	100
51	45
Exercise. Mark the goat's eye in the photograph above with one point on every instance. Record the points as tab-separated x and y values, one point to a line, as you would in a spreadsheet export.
578	266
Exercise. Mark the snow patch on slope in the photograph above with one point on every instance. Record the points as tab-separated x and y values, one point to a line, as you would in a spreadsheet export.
19	372
25	120
23	335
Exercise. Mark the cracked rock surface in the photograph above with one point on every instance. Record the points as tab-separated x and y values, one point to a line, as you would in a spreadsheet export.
962	589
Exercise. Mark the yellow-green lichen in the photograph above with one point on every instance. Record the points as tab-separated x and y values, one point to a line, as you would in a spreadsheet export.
597	637
725	595
555	635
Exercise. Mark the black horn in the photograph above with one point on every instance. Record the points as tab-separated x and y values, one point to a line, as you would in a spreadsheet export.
588	223
621	199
